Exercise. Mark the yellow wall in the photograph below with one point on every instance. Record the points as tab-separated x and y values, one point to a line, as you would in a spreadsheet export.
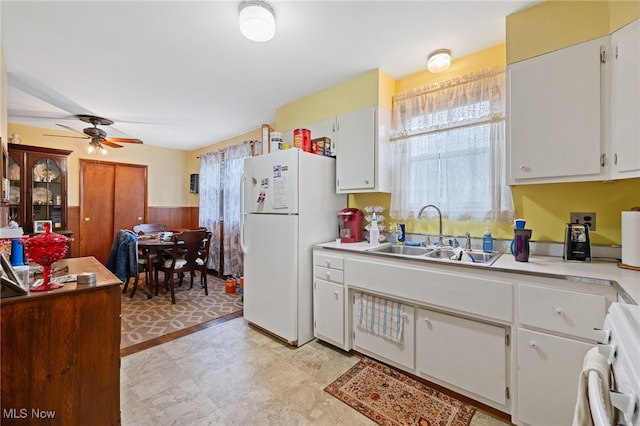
555	24
371	88
487	58
622	12
547	207
168	174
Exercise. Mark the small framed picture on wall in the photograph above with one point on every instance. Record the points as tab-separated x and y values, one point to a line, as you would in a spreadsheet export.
38	225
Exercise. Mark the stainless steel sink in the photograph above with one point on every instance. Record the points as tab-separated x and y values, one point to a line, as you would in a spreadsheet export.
469	256
402	250
444	254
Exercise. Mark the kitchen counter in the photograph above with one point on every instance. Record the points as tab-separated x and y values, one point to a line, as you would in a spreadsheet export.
625	281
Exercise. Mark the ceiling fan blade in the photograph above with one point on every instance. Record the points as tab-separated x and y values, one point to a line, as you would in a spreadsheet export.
125	140
64	136
39	90
110	144
72	129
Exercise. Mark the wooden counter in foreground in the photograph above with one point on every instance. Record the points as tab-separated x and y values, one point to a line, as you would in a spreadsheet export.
60	352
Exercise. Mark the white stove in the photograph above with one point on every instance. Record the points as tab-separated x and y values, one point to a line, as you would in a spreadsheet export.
620	344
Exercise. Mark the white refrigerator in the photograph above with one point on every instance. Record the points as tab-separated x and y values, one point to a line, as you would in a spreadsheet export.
288	204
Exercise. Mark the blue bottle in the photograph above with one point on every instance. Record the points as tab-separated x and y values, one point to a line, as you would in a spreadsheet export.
487	241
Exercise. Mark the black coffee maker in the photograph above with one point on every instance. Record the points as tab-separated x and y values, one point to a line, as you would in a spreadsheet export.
577	245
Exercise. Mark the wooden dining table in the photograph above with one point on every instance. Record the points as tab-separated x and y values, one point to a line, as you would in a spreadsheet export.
151	246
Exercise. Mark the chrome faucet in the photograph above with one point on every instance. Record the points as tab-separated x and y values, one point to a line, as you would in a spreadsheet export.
440	238
467	245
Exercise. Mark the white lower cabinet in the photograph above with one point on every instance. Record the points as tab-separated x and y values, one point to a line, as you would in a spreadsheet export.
400	354
548	377
329	299
328	308
458	324
555	331
469	355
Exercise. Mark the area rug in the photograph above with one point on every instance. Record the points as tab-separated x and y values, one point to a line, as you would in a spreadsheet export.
389	397
145	319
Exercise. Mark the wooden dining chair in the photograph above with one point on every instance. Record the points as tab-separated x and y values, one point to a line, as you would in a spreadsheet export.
141	261
189	253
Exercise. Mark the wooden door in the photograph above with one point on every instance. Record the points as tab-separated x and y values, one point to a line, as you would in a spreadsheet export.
96	209
130	196
113	196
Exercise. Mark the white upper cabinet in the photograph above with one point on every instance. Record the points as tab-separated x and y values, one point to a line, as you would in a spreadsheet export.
361	143
624	160
554	116
324	129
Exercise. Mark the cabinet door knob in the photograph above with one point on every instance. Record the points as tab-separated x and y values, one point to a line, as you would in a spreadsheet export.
524	168
427	320
366	181
558	311
328	274
533	344
87	219
335	293
328	264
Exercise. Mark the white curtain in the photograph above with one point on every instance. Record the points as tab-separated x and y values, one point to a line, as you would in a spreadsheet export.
448	149
233	167
210	203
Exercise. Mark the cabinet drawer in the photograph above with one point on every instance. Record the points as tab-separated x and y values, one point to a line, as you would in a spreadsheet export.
327	274
328	261
562	311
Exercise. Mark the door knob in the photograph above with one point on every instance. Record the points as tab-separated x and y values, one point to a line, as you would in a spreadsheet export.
87	219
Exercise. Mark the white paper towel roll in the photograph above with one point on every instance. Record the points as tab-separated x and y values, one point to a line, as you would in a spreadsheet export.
631	238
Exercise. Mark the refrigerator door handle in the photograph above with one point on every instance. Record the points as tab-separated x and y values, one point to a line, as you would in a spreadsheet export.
243	213
243	246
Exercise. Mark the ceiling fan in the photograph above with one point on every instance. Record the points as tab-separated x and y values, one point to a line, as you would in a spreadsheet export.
98	137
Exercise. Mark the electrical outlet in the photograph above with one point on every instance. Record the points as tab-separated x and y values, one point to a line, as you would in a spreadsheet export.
588	219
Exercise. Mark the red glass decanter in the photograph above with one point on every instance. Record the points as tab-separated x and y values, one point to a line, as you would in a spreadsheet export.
46	249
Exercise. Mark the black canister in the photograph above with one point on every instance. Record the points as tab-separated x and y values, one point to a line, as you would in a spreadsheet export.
521	244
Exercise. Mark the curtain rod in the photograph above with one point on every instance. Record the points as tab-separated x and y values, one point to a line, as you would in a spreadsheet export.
222	149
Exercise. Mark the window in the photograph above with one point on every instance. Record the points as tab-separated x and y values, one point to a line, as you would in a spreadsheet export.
448	149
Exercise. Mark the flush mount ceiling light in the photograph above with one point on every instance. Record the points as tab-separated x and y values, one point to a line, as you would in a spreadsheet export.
439	61
257	21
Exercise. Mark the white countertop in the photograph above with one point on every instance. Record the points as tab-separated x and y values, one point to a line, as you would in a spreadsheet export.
624	280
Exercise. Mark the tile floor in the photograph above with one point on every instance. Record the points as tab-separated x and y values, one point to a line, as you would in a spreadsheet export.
232	374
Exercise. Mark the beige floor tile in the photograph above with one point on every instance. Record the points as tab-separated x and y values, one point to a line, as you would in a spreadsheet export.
234	374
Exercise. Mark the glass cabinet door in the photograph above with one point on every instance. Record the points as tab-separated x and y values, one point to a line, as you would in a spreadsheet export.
47	193
14	175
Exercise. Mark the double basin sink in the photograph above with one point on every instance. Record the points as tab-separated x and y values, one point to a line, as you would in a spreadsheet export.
439	253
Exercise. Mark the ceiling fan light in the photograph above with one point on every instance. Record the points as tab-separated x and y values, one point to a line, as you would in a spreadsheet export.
257	21
103	150
91	148
439	61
